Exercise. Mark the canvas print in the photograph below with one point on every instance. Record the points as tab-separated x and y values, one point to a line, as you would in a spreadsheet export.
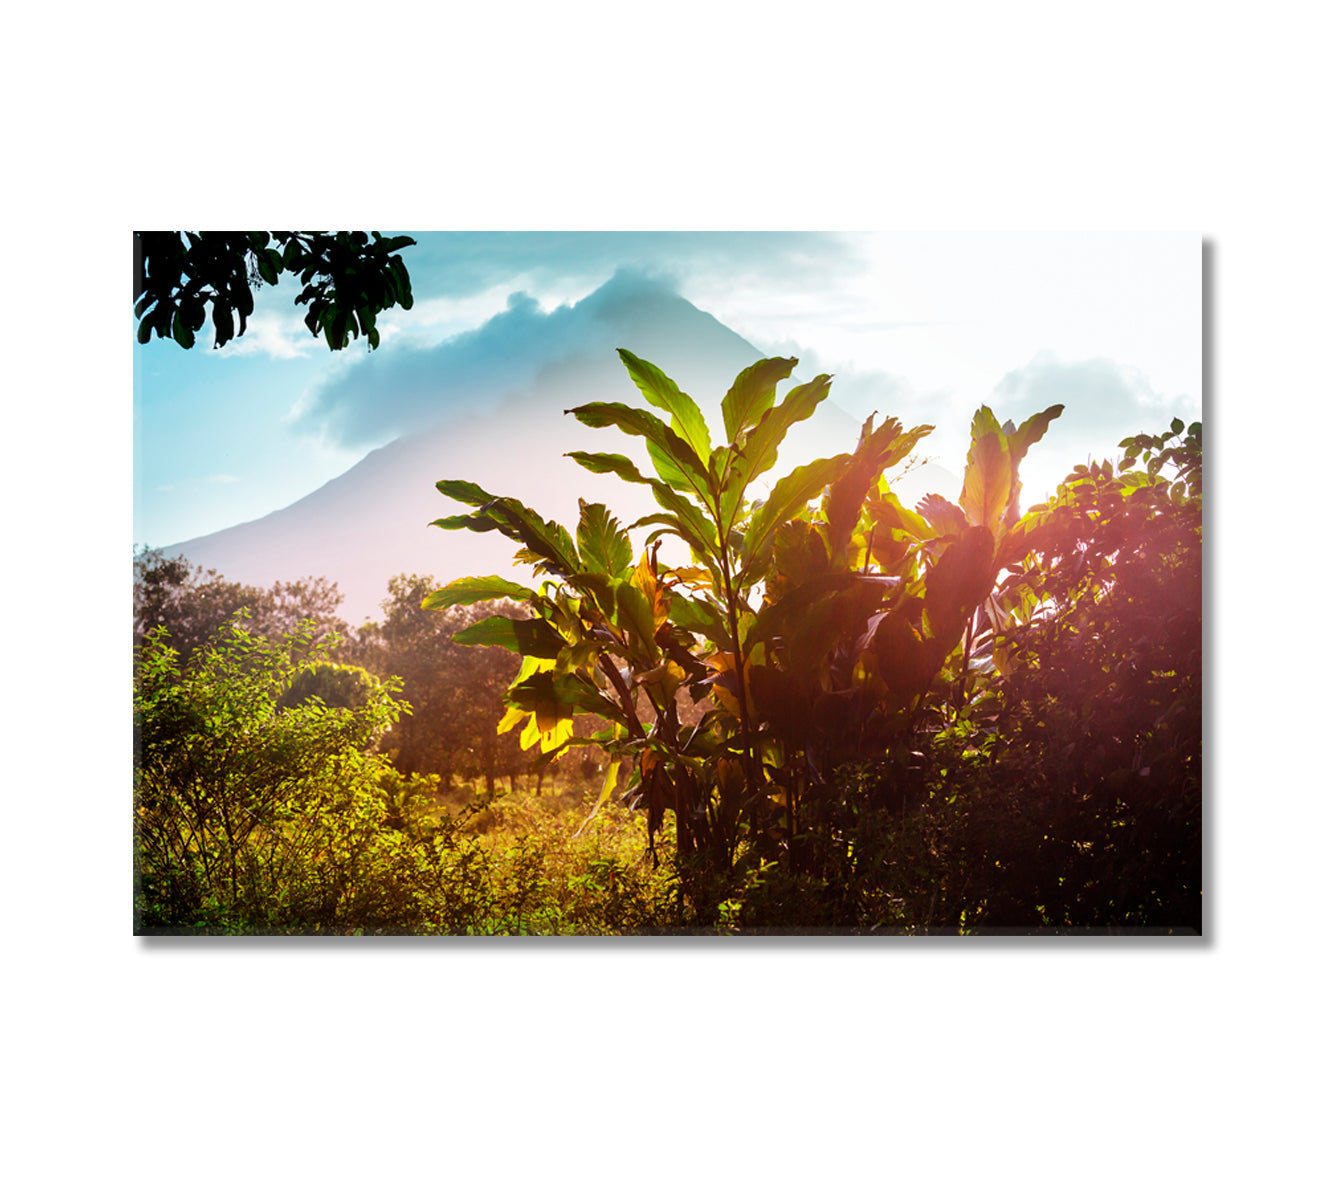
667	583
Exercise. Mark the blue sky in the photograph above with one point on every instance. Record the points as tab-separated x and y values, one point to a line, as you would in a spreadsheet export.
921	326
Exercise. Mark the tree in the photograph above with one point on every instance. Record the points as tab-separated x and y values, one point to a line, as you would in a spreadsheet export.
249	810
194	604
348	278
455	694
1103	686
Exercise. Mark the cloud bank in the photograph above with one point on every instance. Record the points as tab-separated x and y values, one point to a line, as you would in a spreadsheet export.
1105	401
461	264
403	389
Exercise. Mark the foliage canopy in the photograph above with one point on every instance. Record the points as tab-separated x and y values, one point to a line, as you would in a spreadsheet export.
348	278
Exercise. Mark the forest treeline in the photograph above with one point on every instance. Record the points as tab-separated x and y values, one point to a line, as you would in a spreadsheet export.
452	694
827	712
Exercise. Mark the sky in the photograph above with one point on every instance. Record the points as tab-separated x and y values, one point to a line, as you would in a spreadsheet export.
925	327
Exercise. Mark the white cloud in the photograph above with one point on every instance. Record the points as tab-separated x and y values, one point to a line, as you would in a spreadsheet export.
268	333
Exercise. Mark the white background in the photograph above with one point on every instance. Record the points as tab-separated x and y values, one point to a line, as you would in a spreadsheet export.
1097	1068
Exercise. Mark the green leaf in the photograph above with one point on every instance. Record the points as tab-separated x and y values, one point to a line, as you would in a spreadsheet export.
698	616
877	450
546	543
784	614
1018	443
603	544
675	461
986	480
662	392
181	331
634	614
889	510
703	533
476	588
268	263
550	693
760	451
945	518
609	464
464	492
222	323
667	522
752	395
534	639
1178	424
790	495
959	581
597	592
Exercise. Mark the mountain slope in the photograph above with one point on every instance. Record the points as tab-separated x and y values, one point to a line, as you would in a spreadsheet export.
373	521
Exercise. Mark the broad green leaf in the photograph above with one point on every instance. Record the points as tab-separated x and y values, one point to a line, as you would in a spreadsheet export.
1031	431
603	544
582	656
223	326
878	449
903	662
760	451
548	691
698	616
986	480
634	614
181	331
546	544
945	518
668	523
464	492
269	263
889	510
597	591
662	392
1018	441
785	614
476	588
703	533
535	638
752	394
958	582
676	462
790	495
1016	544
799	555
609	464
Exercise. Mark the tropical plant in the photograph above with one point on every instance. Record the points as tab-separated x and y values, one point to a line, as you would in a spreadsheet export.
786	618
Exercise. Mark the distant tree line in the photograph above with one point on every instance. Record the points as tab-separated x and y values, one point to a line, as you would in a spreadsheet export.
452	694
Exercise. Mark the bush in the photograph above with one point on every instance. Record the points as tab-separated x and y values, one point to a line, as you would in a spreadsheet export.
252	811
